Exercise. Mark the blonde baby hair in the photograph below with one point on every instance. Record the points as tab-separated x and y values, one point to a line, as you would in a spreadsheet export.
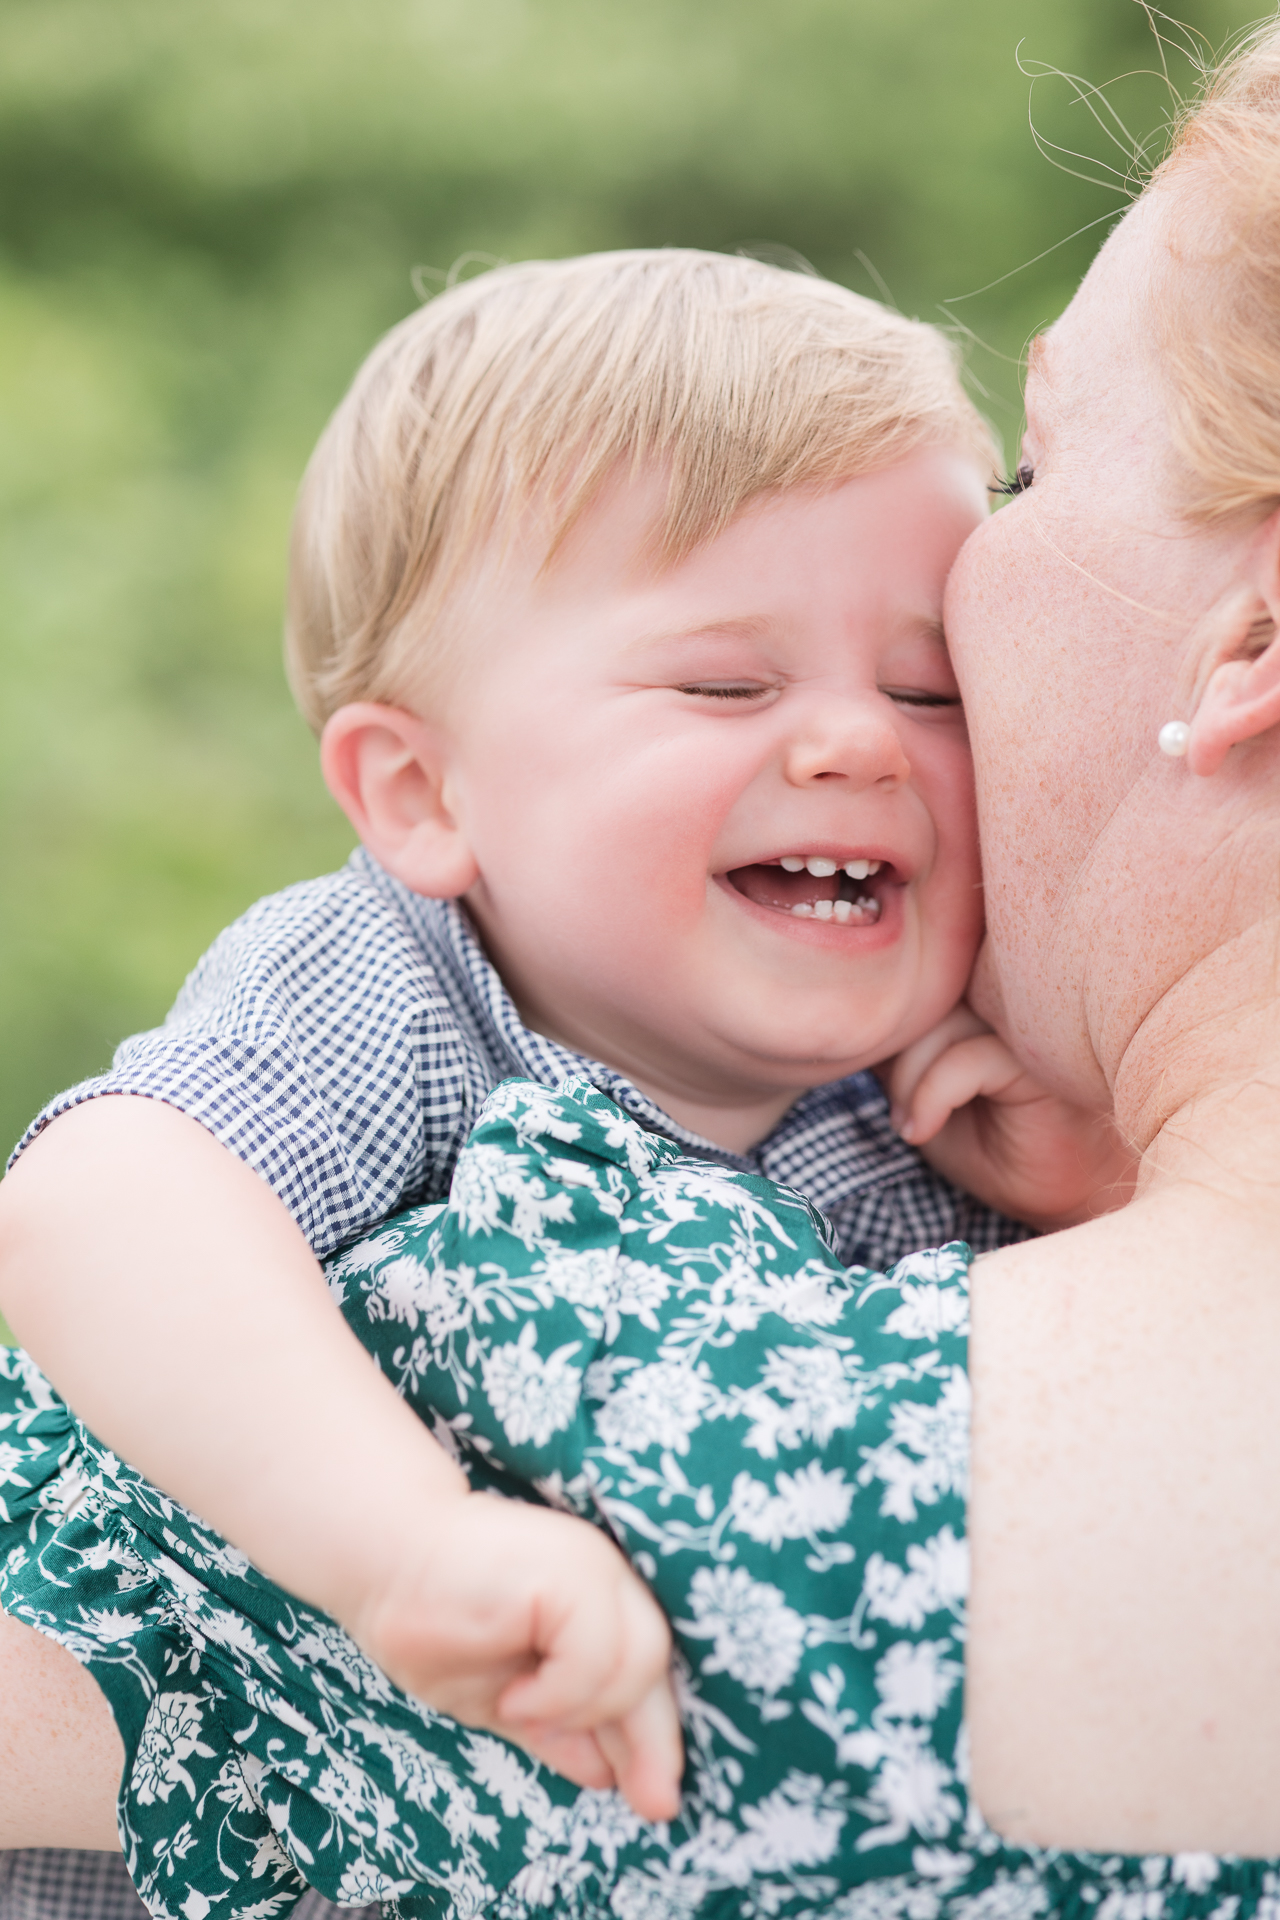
1218	325
533	384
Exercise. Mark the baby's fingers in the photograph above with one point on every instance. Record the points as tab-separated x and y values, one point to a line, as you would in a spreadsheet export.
979	1067
599	1660
907	1070
646	1753
577	1755
643	1755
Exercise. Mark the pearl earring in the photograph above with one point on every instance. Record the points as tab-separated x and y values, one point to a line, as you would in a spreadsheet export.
1174	737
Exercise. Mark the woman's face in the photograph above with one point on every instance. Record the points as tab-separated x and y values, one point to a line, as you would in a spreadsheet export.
1069	616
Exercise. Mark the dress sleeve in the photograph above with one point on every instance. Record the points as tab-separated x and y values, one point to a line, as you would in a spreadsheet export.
778	1443
673	1351
313	1040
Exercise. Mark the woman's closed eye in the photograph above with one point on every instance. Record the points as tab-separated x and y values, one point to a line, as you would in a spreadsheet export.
919	697
1018	482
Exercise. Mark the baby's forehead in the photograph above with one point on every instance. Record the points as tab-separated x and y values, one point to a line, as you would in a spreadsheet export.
636	516
861	558
531	388
879	541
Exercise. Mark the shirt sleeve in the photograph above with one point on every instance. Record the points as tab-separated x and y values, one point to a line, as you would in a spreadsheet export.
313	1040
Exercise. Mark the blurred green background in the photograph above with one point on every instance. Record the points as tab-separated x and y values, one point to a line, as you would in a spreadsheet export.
208	212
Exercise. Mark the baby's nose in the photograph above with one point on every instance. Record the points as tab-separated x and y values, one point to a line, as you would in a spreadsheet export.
847	740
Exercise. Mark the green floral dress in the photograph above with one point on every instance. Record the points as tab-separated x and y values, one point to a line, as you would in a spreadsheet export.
780	1446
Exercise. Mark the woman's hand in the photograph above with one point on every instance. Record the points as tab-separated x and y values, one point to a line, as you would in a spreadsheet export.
960	1096
531	1623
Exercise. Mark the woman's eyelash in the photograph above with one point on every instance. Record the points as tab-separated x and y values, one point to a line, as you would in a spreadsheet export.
1017	482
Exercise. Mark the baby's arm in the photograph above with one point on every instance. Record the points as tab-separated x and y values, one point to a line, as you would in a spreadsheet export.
175	1304
959	1095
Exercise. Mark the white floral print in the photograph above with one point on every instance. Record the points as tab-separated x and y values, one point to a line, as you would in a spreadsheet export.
802	1505
781	1447
660	1405
170	1737
532	1397
756	1637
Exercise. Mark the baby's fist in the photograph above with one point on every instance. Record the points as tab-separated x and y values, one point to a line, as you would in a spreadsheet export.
530	1623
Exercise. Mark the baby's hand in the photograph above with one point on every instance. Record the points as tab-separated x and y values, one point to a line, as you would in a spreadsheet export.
531	1623
960	1096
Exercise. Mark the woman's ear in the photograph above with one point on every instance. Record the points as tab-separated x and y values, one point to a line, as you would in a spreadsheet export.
389	772
1241	698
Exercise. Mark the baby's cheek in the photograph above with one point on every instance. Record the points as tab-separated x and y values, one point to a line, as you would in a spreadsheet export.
984	994
954	907
944	778
953	945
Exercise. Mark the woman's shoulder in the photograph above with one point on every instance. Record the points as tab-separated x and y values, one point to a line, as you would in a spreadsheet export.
1035	1272
1122	1517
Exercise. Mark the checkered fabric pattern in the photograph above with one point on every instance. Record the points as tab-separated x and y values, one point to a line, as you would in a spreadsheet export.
41	1883
342	1036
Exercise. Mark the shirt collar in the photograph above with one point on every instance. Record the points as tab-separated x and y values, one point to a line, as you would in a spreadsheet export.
447	934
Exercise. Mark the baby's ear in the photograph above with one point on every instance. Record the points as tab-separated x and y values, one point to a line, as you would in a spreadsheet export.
389	772
1241	698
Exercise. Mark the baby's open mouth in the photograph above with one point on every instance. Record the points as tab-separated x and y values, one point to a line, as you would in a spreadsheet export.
816	886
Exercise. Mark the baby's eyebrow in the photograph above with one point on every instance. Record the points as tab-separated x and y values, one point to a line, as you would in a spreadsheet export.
745	627
924	626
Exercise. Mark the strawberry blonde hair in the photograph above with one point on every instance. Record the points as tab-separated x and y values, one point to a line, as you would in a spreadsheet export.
1218	325
532	384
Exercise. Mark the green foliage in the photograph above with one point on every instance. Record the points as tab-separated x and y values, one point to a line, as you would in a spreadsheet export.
208	213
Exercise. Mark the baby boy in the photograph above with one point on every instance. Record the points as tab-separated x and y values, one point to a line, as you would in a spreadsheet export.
615	597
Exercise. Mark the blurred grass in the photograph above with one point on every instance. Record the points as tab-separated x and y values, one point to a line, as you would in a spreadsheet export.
208	213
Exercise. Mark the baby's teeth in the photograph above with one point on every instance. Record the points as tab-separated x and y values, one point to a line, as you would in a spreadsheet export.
820	867
857	869
842	911
792	863
874	866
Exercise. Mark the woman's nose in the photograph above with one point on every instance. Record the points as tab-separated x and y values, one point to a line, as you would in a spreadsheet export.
850	740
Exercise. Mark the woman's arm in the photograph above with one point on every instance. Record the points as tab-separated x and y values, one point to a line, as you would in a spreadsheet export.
1123	1687
60	1754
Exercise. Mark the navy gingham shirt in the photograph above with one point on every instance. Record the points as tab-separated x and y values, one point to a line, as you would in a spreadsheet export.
342	1036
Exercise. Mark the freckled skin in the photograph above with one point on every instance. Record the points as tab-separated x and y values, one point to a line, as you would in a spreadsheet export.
1122	1672
1073	620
